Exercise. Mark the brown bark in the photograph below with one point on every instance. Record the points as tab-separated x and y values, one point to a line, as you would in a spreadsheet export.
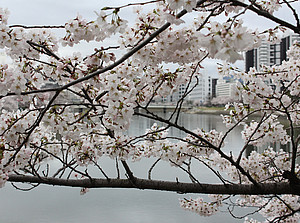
233	189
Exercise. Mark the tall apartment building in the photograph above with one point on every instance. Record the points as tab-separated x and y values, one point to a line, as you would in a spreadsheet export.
203	92
226	88
269	54
214	82
173	98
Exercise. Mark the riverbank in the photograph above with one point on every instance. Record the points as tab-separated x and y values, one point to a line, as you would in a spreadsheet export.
208	110
221	110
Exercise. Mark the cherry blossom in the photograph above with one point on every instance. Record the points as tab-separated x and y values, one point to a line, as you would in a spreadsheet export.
75	109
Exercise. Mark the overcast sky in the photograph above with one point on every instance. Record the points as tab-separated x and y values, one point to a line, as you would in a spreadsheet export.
57	12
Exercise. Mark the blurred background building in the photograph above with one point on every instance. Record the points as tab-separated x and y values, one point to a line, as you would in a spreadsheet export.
270	54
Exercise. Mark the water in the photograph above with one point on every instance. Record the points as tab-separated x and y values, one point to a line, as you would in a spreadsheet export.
48	204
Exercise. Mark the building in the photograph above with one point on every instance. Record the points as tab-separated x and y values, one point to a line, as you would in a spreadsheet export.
201	94
203	91
214	82
172	98
226	91
285	44
269	54
226	88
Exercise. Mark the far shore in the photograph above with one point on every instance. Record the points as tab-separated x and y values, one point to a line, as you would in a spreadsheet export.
222	111
208	110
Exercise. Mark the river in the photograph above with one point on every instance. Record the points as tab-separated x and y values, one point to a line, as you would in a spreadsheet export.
48	204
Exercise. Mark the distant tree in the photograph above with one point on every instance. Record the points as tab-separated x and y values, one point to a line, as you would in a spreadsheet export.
84	114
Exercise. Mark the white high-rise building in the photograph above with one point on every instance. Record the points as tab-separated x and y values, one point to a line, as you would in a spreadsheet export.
270	54
173	98
202	93
226	88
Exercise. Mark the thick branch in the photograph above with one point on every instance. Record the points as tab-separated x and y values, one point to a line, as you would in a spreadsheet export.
111	66
129	53
250	189
267	15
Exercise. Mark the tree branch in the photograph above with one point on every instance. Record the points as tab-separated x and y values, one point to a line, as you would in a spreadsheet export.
235	189
267	15
38	27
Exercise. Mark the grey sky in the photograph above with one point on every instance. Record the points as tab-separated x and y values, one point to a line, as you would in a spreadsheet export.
35	12
54	12
57	12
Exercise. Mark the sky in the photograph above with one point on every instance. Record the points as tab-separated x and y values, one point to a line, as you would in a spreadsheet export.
57	12
54	12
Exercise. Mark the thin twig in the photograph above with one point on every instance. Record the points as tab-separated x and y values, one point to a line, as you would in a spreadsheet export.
38	27
151	168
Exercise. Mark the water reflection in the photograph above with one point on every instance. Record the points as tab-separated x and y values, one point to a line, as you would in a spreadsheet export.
206	122
48	204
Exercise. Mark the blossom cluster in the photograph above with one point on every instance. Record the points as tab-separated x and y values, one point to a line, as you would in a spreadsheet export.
266	166
294	51
79	29
263	167
16	43
231	37
270	6
237	114
16	145
188	45
60	112
204	139
263	90
174	46
274	209
259	96
15	40
185	4
261	133
202	207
